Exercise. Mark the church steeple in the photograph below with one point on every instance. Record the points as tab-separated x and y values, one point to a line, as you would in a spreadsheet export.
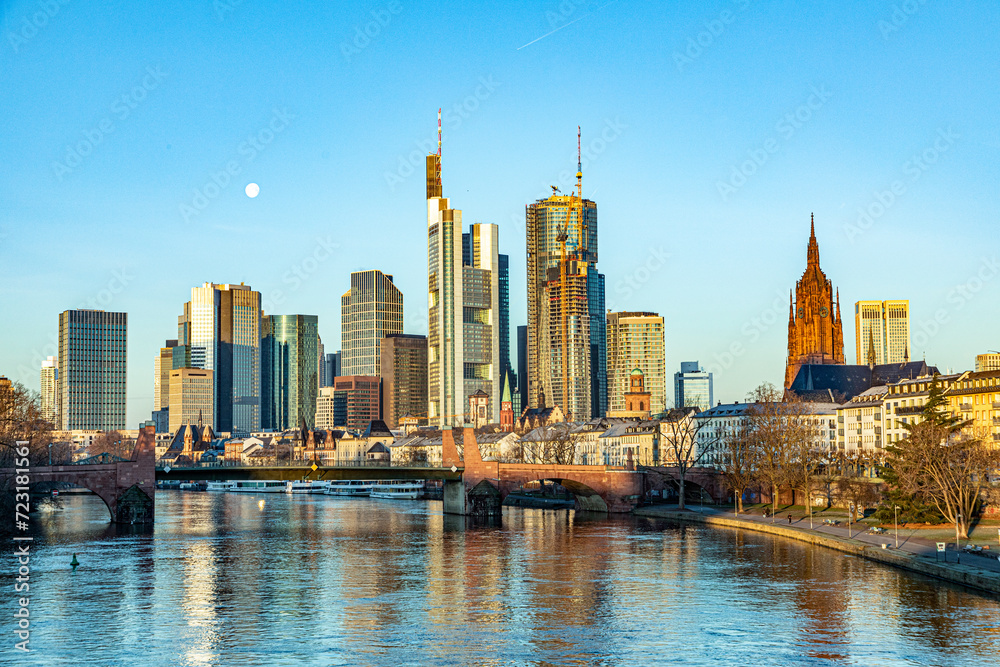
812	254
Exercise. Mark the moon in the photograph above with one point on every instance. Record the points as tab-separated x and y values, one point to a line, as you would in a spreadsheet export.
252	190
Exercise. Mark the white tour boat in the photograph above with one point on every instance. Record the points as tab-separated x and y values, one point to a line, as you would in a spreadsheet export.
258	486
350	487
306	486
220	486
398	488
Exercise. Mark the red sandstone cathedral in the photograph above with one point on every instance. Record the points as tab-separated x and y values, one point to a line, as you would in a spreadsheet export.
815	335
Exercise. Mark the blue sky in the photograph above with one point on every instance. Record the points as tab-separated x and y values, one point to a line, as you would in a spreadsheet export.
712	131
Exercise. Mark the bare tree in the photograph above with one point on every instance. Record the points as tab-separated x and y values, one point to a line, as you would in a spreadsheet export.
558	445
858	491
806	452
115	443
685	444
21	421
737	461
768	422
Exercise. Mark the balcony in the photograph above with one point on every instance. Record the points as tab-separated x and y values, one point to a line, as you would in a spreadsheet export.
910	410
965	407
996	421
996	406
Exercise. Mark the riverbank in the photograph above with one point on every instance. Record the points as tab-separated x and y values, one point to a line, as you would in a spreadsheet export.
966	575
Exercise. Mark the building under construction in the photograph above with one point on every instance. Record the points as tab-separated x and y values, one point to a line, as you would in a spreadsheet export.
566	322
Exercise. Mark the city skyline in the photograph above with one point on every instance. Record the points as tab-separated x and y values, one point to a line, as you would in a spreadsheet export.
833	157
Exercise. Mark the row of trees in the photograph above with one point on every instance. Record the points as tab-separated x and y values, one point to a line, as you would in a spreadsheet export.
941	464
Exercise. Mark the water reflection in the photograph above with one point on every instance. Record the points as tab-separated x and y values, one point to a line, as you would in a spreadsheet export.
227	580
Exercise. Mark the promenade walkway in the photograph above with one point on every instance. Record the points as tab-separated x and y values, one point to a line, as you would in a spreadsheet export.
909	539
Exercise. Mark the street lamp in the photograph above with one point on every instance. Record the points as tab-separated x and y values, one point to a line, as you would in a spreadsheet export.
50	454
850	515
895	517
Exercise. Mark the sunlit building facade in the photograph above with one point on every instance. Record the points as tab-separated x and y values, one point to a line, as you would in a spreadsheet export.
289	370
92	370
371	310
693	387
882	332
192	398
50	390
635	341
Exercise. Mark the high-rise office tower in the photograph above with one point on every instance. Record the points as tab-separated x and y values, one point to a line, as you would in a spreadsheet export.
522	365
404	378
220	331
289	368
635	340
162	365
355	401
92	370
503	299
988	362
463	343
331	368
693	387
371	310
881	332
191	399
50	390
566	320
320	362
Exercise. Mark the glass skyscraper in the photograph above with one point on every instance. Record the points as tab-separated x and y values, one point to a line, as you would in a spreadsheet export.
92	370
289	370
371	310
693	387
221	328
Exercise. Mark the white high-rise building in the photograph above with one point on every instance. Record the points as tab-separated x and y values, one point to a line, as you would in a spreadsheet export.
463	344
882	332
50	390
635	340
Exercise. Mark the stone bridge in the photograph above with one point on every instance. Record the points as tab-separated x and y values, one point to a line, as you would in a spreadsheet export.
707	479
128	488
485	484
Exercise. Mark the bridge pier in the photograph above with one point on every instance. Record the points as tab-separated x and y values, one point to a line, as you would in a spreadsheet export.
454	496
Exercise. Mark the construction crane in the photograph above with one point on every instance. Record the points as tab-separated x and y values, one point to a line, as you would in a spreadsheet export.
575	204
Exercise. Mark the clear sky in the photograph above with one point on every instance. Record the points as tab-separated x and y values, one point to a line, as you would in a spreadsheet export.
711	130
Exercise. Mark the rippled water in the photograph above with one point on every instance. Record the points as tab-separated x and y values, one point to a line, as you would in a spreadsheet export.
226	580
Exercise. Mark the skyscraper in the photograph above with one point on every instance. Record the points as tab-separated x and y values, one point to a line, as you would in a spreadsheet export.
503	320
356	401
221	329
191	399
371	310
162	365
693	387
635	341
50	390
92	369
404	378
815	334
463	346
567	343
289	369
331	368
881	332
522	364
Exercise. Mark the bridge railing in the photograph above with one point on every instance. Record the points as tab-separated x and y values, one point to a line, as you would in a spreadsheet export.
303	463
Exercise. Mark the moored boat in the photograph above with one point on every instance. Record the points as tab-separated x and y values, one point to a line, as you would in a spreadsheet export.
350	487
306	486
258	486
398	489
220	486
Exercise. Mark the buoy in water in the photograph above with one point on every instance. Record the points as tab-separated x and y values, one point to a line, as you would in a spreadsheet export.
74	562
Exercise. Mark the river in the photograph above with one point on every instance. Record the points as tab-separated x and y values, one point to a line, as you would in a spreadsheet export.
227	579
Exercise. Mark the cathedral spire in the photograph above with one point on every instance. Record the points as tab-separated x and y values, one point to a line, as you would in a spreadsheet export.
871	349
812	254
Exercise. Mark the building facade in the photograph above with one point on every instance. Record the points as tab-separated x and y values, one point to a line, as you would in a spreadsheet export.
220	329
371	310
192	398
463	341
355	402
331	368
635	341
404	378
987	362
693	387
815	333
882	332
92	369
50	390
289	370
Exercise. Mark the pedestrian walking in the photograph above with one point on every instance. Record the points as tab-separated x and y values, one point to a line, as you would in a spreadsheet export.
789	518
